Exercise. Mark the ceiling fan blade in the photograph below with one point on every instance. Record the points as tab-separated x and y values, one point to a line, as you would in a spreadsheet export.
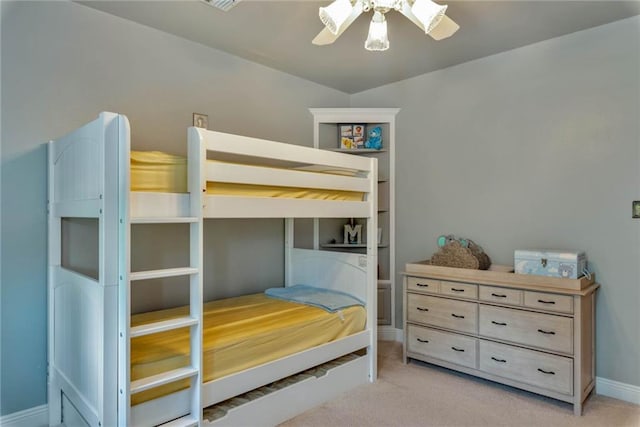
325	36
446	28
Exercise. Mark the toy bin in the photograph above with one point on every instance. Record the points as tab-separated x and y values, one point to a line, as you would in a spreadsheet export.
564	264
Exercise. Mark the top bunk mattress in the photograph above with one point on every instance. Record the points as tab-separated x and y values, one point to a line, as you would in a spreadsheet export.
156	171
239	333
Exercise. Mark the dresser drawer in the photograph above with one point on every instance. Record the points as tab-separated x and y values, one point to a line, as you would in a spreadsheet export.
463	290
535	329
421	284
445	313
527	366
546	301
500	295
453	348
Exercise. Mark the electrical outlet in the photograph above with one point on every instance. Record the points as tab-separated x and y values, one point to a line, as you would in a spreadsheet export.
635	212
201	120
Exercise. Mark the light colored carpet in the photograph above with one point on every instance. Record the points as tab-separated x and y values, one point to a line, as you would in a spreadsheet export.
419	394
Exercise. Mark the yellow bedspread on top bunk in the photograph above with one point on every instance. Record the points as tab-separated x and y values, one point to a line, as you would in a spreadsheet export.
163	172
239	333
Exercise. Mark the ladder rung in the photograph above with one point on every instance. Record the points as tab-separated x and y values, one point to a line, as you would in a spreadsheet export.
164	220
186	421
167	272
162	379
165	325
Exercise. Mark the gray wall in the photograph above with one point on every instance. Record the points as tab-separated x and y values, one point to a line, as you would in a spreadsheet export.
533	148
63	63
537	147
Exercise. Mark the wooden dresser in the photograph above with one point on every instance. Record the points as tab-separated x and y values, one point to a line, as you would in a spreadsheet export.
531	332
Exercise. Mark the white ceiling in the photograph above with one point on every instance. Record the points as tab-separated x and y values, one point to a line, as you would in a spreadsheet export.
278	34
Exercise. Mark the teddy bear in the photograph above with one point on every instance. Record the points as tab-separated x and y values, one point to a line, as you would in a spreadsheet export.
375	138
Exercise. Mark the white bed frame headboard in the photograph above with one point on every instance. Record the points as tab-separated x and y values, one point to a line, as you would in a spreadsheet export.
346	272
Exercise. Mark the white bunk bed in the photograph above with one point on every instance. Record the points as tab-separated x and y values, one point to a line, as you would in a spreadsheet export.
90	318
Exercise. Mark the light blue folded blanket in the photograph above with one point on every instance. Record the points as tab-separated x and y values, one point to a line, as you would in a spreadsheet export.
318	297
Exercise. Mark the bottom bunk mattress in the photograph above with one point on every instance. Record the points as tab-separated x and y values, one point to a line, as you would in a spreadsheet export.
239	333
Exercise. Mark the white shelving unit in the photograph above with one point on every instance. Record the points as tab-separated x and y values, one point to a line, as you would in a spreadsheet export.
327	233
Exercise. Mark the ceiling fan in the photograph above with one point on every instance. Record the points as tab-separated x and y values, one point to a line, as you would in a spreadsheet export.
426	14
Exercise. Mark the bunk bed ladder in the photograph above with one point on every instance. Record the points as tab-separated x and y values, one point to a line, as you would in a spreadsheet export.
193	320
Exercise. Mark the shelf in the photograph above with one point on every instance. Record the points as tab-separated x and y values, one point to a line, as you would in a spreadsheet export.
350	246
327	135
358	150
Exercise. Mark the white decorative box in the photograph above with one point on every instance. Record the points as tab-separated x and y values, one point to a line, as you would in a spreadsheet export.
564	264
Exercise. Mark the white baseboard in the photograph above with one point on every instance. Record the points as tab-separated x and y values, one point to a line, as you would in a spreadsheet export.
617	390
33	417
389	333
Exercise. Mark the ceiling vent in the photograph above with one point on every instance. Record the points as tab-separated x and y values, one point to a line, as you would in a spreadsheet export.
222	4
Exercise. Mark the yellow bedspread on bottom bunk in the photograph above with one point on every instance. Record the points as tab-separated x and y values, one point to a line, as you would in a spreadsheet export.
239	333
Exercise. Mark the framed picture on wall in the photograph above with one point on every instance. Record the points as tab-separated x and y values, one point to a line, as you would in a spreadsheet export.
201	120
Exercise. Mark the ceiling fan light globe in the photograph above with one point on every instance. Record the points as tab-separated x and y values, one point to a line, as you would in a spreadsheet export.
335	15
429	13
377	39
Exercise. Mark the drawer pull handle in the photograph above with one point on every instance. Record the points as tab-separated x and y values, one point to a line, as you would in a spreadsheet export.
457	349
457	316
422	285
422	309
541	301
498	295
498	360
425	341
542	331
498	323
457	290
546	372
